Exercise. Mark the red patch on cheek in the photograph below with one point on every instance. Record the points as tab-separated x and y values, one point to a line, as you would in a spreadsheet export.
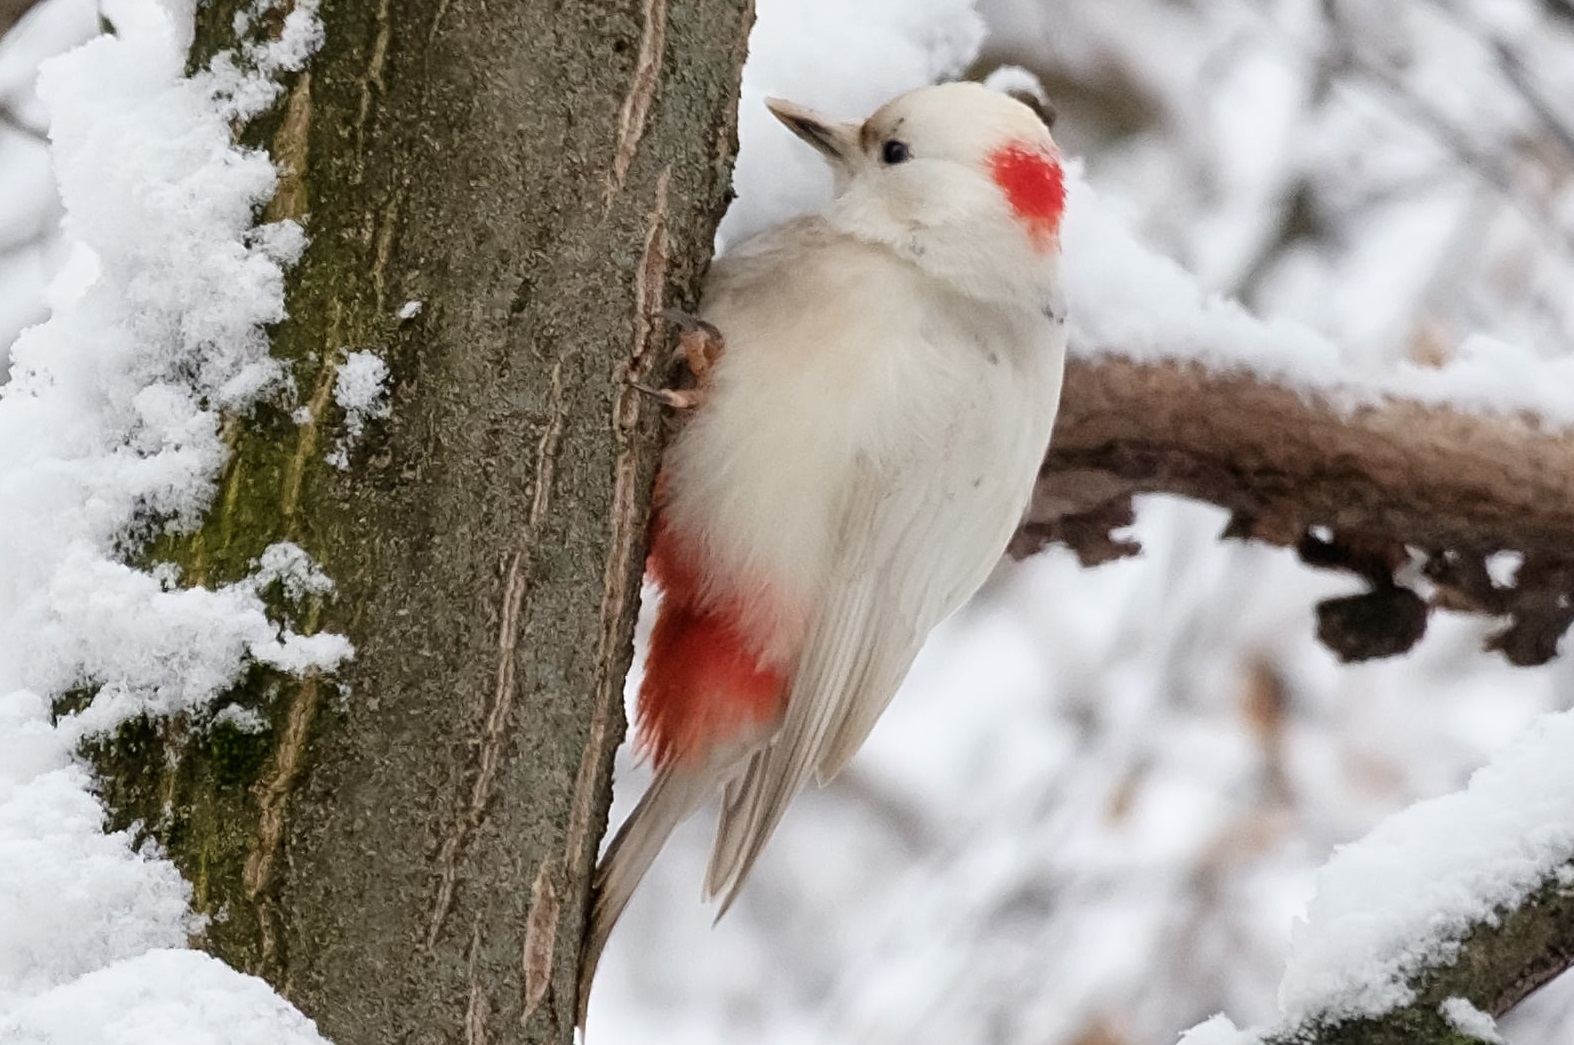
1034	186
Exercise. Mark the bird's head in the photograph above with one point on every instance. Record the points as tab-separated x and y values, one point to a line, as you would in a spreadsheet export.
963	181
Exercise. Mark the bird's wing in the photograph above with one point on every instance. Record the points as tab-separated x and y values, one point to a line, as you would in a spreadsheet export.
914	545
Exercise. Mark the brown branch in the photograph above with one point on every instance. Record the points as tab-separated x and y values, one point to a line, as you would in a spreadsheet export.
1387	481
12	11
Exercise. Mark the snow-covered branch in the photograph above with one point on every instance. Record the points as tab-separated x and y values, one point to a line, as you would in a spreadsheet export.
1445	916
1414	477
1500	961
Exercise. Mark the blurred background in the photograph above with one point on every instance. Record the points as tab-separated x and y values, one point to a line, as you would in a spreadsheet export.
1095	810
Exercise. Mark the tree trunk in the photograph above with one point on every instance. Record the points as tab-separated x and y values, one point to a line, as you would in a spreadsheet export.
405	851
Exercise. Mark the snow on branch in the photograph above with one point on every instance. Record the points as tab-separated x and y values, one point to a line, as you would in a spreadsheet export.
1423	481
1446	915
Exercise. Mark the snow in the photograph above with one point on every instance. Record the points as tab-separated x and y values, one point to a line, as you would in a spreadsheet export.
288	564
242	719
155	322
360	389
1467	1019
72	898
1218	1030
1405	895
161	997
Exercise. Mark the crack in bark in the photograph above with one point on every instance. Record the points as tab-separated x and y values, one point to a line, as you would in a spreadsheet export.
384	240
650	288
476	1006
306	438
290	154
625	553
198	573
642	91
540	940
273	798
372	77
494	731
626	538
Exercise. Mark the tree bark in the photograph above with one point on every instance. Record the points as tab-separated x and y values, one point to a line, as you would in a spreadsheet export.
405	851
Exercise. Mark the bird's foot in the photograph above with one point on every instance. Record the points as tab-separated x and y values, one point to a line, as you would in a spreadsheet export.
677	398
701	344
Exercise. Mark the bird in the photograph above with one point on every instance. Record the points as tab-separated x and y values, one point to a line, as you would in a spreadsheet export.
876	386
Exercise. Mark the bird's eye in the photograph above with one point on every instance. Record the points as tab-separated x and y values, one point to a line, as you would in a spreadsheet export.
894	152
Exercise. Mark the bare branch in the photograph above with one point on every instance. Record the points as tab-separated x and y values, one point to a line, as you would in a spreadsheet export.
1386	480
11	12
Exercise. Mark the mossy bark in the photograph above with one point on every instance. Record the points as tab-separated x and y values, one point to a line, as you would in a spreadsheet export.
405	851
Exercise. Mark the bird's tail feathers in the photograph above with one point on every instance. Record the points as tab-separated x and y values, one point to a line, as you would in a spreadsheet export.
734	829
673	795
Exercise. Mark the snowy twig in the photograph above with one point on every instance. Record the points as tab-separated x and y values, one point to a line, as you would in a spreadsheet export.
1393	481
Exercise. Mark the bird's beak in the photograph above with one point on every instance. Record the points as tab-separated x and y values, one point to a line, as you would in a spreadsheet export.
836	140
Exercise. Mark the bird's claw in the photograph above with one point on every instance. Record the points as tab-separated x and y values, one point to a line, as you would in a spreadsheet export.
701	344
677	398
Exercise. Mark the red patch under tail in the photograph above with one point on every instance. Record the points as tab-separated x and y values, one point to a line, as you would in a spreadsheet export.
703	684
1035	186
